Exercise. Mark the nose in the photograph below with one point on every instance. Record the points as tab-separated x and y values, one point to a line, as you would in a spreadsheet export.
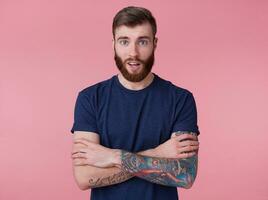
133	51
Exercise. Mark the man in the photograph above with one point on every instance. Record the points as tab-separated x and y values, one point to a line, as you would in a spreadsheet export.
135	133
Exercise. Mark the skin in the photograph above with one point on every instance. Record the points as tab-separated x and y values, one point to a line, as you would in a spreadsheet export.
173	163
178	149
89	176
136	43
165	171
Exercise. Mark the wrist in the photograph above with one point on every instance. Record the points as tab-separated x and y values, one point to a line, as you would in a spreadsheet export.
155	152
117	158
149	153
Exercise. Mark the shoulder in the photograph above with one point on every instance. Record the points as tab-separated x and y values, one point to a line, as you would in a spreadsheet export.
96	88
173	89
91	94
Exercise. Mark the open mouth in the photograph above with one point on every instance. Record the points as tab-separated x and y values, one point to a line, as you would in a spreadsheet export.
133	66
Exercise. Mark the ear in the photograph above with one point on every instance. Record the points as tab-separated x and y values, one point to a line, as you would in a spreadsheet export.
155	42
113	43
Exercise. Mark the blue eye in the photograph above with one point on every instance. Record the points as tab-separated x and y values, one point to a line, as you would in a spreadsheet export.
123	42
143	42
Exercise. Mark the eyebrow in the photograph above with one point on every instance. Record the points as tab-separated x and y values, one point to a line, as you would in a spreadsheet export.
141	37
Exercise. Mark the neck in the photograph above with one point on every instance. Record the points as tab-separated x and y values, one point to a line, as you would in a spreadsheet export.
136	85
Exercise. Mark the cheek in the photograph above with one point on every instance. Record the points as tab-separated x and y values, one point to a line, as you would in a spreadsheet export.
145	54
146	51
121	53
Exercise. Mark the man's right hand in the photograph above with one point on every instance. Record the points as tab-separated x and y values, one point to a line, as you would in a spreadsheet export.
178	146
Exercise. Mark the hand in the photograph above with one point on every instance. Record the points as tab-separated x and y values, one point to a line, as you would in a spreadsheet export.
94	154
178	146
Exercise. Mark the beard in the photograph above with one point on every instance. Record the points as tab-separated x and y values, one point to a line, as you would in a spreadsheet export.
135	77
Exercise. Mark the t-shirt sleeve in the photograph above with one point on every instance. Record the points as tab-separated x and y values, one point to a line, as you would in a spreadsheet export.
84	114
186	116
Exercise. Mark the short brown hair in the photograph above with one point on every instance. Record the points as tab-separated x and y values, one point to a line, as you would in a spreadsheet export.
132	16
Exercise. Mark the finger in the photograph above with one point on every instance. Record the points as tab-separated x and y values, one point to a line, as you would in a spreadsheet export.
188	143
79	155
79	150
188	149
186	155
86	141
78	141
80	162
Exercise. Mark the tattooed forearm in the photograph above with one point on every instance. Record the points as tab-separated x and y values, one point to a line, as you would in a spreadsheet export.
165	171
110	180
114	178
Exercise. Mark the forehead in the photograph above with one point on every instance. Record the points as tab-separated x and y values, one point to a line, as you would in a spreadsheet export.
139	30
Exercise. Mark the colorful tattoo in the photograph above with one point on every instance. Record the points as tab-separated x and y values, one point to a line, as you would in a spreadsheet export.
184	132
165	171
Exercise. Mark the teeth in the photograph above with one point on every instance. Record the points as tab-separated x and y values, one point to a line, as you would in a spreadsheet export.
133	63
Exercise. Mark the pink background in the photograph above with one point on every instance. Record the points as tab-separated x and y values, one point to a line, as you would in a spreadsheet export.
50	50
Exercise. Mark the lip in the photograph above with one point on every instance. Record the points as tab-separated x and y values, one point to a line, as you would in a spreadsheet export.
134	67
134	62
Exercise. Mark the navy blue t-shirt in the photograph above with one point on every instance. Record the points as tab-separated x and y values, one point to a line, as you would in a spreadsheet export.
134	120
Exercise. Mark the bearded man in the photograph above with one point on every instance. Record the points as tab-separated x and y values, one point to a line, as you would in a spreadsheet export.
135	134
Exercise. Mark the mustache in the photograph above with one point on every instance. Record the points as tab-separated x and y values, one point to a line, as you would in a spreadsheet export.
134	60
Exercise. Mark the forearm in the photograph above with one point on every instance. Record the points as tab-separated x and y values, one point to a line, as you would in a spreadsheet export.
169	172
92	177
102	166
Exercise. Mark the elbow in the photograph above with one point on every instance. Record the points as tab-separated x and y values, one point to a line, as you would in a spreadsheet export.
82	185
81	178
81	181
187	185
188	181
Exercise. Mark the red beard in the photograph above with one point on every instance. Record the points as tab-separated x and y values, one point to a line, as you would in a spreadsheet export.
137	77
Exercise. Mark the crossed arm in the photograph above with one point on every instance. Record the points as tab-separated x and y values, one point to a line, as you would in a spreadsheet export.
173	163
164	171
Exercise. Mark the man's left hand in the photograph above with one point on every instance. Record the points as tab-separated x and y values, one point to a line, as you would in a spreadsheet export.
94	154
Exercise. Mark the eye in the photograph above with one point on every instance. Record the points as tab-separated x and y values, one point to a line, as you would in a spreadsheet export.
123	42
143	42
